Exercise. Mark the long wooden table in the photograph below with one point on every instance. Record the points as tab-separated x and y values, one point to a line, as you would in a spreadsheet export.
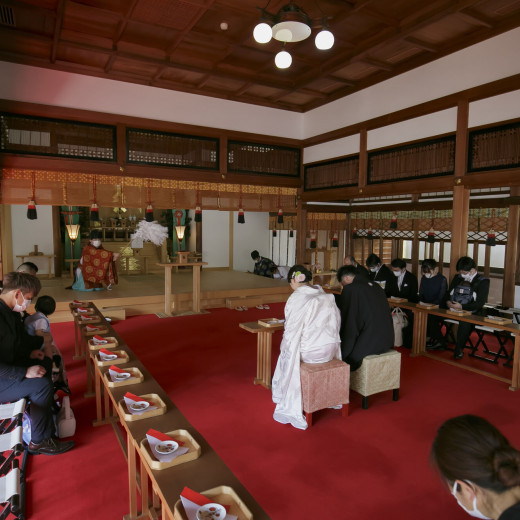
168	286
419	337
206	472
263	350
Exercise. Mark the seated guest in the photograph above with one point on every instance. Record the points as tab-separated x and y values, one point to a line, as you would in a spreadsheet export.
366	319
38	324
433	289
468	291
24	368
311	335
27	267
380	273
407	287
479	467
281	272
263	266
97	266
360	269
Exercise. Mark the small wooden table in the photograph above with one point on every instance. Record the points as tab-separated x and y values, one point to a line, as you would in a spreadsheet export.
168	285
49	258
263	350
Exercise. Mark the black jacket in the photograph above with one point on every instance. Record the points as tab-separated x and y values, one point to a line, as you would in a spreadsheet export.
15	345
385	275
409	287
479	286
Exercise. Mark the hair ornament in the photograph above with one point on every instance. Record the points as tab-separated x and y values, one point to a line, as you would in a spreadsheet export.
299	276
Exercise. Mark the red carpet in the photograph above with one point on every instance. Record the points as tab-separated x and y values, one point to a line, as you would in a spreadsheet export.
373	464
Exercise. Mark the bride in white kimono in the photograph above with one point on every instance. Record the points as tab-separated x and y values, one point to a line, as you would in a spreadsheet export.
311	335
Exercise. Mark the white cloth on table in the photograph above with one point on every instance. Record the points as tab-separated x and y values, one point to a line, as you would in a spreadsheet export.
311	335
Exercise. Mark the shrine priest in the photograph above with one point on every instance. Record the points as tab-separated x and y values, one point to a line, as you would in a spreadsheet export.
311	335
97	266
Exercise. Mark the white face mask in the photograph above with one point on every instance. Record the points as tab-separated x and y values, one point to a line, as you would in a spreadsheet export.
397	273
96	243
23	306
475	512
428	275
373	269
466	277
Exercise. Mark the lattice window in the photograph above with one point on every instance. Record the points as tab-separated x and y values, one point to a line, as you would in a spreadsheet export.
328	174
494	148
481	236
439	235
22	134
426	159
263	159
172	150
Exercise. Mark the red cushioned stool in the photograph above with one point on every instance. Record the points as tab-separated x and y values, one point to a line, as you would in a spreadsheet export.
324	385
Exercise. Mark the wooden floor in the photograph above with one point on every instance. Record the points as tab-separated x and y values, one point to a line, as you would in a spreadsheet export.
144	294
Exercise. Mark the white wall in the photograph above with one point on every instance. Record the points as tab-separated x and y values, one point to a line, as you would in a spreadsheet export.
476	65
215	238
253	234
27	233
65	89
339	147
497	108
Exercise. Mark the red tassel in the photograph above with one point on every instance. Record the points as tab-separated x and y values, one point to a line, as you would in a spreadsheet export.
241	218
393	223
280	216
431	236
291	233
370	235
31	211
149	213
491	239
94	212
198	214
354	233
335	241
274	233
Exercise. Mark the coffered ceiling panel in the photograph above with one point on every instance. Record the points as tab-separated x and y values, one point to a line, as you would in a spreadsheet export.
206	46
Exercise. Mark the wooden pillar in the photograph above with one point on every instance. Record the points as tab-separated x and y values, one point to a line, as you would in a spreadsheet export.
349	242
511	260
198	237
301	232
58	246
475	252
363	160
459	226
415	248
487	261
441	255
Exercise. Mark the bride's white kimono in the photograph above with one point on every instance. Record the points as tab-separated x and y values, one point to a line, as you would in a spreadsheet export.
311	335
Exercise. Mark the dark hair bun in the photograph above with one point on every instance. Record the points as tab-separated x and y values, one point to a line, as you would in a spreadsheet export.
506	464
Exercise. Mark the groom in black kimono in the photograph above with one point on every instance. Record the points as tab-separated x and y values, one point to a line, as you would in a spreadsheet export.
366	319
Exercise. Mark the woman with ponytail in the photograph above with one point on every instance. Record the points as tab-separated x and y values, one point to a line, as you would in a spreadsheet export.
480	467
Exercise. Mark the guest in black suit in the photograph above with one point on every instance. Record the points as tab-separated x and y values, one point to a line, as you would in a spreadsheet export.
360	269
366	320
380	273
407	287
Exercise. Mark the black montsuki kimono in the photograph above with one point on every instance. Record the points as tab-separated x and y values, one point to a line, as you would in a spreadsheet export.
366	321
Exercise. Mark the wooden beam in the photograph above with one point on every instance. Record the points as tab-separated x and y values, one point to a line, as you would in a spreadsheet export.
459	226
461	144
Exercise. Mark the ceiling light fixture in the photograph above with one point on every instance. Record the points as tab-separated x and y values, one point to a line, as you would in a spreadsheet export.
289	25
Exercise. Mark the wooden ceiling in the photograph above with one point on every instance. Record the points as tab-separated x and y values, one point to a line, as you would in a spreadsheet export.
179	44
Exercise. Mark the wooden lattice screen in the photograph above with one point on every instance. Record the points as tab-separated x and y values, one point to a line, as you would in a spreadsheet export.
172	150
244	157
22	134
494	148
332	174
426	159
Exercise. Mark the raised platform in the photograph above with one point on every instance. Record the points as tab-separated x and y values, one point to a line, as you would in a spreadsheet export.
144	294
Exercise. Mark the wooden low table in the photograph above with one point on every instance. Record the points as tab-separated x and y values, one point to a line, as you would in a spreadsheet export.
264	350
49	258
168	286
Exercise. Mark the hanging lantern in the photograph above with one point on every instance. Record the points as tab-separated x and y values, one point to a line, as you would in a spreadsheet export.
280	216
313	240
393	221
491	238
335	240
274	233
370	234
31	210
291	233
241	218
149	213
94	213
431	236
198	214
